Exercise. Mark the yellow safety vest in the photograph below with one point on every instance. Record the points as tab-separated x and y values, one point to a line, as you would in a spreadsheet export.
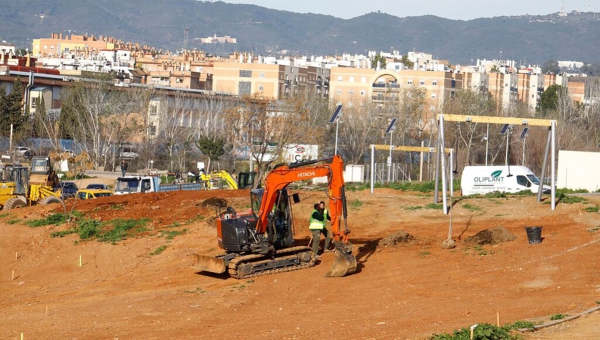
314	223
325	213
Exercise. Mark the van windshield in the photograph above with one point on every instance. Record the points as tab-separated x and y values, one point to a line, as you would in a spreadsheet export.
533	179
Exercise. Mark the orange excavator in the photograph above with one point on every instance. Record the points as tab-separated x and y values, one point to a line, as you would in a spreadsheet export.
261	241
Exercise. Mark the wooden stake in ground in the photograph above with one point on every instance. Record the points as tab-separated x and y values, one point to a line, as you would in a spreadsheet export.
46	310
79	260
13	275
16	255
498	319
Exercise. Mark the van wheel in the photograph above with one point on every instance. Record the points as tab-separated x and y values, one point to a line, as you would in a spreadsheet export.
14	203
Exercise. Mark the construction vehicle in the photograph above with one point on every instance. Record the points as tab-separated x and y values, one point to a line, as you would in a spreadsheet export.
22	186
220	179
142	184
261	241
245	180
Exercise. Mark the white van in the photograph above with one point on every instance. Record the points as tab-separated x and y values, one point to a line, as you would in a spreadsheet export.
480	180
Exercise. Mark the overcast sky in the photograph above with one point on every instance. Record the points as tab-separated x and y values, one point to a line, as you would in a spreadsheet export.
458	9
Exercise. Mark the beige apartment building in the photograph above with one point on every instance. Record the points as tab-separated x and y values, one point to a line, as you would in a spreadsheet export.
57	45
385	86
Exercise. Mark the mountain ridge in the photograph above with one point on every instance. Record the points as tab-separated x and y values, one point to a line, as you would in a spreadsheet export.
162	23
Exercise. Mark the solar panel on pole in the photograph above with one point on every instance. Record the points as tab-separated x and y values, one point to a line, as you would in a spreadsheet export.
524	133
504	129
336	114
391	127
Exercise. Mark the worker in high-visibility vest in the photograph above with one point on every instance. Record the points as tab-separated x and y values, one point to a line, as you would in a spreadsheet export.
327	232
316	228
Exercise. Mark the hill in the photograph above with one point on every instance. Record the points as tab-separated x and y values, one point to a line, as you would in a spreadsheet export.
162	23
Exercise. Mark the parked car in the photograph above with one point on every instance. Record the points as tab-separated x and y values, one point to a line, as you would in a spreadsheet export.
68	189
97	186
24	152
85	194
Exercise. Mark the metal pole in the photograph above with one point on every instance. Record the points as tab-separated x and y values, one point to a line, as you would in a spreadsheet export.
553	165
451	172
372	166
507	140
544	163
523	163
390	159
250	149
487	143
421	163
337	128
11	137
437	163
443	160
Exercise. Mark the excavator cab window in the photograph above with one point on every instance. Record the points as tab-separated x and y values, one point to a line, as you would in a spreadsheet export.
255	200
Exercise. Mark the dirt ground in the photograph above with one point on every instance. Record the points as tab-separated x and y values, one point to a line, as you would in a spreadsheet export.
410	288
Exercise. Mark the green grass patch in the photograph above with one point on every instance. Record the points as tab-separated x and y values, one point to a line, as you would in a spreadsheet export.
56	219
592	209
197	290
61	234
355	204
558	317
424	253
436	206
158	250
471	207
499	215
414	207
87	228
121	228
13	221
563	198
4	215
116	207
495	194
169	235
483	331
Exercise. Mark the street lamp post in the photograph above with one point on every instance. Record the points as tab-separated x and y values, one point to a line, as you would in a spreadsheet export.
390	131
337	114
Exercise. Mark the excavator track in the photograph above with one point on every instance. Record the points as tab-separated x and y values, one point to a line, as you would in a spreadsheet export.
285	260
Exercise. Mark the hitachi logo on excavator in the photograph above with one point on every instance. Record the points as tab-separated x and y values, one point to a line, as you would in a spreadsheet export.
306	174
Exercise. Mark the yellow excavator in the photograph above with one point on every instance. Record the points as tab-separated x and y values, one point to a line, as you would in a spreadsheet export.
22	186
220	179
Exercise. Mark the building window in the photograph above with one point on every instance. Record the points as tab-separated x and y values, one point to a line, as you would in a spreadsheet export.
351	79
153	110
362	93
339	78
34	102
433	95
261	75
363	80
338	91
245	74
179	80
152	129
261	88
434	83
410	82
244	88
351	92
421	82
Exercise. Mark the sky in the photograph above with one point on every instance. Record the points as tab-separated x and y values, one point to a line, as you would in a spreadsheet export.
449	9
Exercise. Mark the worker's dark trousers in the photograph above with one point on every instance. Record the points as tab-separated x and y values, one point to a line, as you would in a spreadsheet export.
316	239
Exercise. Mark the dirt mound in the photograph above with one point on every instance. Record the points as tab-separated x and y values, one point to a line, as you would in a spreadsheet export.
397	238
214	202
490	236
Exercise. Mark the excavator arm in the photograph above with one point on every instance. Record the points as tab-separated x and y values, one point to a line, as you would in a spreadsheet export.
283	175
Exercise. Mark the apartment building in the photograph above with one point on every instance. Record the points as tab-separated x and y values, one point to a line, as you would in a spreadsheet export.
57	44
384	87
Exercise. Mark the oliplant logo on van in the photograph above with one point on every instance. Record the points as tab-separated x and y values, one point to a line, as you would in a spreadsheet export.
493	178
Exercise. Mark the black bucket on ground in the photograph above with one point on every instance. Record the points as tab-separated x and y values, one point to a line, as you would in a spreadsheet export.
534	234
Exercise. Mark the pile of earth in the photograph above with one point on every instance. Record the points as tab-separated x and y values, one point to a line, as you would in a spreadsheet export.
490	236
397	238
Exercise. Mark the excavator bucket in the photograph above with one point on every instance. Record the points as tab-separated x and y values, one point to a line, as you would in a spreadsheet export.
209	264
344	263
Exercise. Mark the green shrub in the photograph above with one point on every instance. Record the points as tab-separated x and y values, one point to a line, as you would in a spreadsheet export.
592	209
169	235
563	198
158	250
88	228
557	317
120	229
471	207
61	234
436	206
483	331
